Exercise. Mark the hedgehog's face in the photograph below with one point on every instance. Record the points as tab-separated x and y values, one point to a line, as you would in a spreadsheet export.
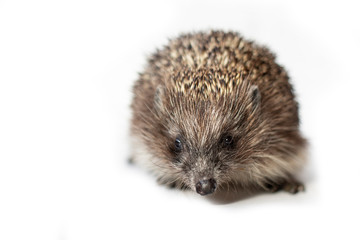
205	141
202	156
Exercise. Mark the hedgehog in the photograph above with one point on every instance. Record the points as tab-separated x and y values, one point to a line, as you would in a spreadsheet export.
213	110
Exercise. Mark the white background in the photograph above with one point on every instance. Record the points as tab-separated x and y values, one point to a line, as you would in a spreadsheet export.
66	71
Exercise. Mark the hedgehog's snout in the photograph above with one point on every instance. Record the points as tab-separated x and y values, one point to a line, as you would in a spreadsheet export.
205	186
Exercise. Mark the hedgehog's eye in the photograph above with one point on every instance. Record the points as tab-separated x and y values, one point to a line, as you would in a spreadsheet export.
178	144
227	141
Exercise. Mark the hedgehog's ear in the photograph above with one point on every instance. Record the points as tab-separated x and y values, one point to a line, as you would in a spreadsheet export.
158	99
255	96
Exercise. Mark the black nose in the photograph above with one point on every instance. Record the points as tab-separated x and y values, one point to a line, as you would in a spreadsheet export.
207	186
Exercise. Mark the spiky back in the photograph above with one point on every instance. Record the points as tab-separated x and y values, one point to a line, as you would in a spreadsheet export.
207	65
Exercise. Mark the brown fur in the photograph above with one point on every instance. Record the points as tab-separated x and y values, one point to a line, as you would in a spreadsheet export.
202	87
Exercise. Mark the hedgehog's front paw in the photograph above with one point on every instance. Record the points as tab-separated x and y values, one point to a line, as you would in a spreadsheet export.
293	187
